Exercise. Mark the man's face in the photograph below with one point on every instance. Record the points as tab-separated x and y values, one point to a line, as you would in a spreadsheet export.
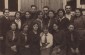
6	13
71	27
68	9
45	10
33	9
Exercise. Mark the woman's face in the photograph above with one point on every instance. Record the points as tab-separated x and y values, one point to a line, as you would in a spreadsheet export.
71	27
55	27
77	13
25	28
40	15
35	27
27	15
13	27
17	15
51	14
61	14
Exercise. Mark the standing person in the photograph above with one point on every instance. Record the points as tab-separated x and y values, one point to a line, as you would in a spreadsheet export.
62	21
72	41
68	12
34	12
24	41
4	27
46	41
40	19
59	40
34	35
12	40
18	20
79	23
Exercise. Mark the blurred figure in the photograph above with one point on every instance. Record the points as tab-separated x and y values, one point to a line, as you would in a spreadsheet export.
79	23
34	12
62	21
4	28
46	41
59	40
72	41
12	40
34	35
24	41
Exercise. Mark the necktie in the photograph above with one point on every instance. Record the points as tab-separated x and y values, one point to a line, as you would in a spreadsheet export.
45	38
72	37
13	35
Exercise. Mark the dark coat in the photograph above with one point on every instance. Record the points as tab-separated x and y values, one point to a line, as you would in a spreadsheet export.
10	42
34	43
63	24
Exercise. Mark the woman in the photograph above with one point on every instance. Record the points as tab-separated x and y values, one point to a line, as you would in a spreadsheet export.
46	41
12	40
62	21
24	41
34	35
59	40
39	20
79	23
72	41
18	20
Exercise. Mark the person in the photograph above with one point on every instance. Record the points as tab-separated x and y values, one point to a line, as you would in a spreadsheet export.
18	20
4	28
62	21
51	16
68	12
12	40
59	40
46	41
79	23
40	19
34	39
34	12
24	41
72	41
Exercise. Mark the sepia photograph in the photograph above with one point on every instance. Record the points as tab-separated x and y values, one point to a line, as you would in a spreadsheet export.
42	27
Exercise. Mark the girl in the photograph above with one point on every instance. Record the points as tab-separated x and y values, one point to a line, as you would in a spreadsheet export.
62	21
34	35
59	40
12	38
24	41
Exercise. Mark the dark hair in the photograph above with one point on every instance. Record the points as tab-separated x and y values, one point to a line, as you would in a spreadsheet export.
18	12
32	24
61	10
34	6
79	10
66	6
40	12
46	7
25	24
52	12
4	10
15	24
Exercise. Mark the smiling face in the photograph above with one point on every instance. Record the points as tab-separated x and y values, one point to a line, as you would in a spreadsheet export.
45	10
68	9
77	13
25	28
51	14
55	27
35	27
61	14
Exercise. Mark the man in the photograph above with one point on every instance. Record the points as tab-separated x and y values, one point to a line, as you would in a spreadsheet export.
34	12
68	12
4	27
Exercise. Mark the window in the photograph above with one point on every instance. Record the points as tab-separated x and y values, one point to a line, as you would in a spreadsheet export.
2	6
13	5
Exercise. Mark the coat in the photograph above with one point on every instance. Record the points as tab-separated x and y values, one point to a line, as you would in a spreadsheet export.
10	42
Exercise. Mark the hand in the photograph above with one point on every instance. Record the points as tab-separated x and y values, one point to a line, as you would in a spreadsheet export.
26	46
77	50
14	48
1	38
72	50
